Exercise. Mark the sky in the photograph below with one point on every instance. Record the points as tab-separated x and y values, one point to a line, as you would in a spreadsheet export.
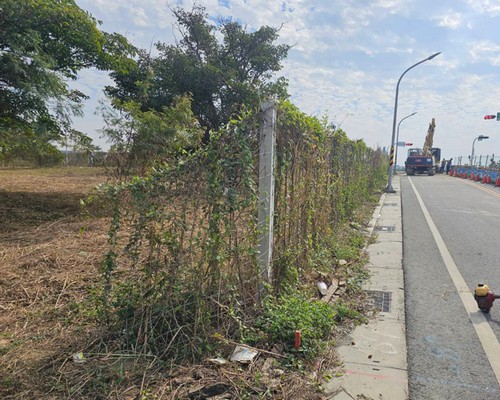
346	60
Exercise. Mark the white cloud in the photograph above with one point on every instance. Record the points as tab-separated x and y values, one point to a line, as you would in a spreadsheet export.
452	20
489	7
348	55
485	51
139	16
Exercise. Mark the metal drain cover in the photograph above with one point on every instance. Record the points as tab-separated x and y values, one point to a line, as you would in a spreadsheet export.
390	204
385	228
381	300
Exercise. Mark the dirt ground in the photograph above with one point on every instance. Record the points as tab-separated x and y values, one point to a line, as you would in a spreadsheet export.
49	258
50	252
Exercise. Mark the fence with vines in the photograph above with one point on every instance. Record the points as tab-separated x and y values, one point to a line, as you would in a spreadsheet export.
182	269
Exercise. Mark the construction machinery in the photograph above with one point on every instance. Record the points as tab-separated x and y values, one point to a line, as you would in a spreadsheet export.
427	159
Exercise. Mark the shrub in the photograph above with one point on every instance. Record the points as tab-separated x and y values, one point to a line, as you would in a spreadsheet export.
293	311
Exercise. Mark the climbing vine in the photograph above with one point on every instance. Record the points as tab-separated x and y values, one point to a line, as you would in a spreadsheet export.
181	271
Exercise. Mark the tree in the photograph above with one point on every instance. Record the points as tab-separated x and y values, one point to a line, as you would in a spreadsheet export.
142	138
223	77
43	44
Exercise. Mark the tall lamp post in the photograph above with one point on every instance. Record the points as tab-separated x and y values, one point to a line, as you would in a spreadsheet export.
397	141
389	188
480	137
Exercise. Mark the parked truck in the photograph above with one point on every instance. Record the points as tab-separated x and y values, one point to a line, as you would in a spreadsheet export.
426	160
419	164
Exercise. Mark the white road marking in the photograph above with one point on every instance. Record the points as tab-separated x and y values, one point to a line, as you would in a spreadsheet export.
483	330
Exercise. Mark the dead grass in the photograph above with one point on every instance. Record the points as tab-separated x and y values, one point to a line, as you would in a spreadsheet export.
49	258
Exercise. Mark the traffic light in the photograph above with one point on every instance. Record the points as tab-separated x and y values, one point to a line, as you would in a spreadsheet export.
492	116
498	116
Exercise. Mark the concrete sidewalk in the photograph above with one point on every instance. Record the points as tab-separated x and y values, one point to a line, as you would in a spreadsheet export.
374	355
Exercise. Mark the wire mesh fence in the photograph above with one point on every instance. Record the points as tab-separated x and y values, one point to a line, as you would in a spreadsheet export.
182	268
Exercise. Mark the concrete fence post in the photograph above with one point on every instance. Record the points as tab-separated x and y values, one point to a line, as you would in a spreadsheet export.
266	195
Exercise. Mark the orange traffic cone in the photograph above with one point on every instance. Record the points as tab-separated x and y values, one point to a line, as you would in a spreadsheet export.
497	182
472	177
488	179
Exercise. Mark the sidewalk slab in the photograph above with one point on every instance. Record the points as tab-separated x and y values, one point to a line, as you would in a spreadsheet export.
374	355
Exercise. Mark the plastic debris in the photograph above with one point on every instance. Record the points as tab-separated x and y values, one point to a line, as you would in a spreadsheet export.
322	287
243	354
218	361
79	358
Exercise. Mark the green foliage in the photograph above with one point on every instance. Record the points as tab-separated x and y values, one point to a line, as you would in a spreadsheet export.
180	264
43	43
26	147
293	311
224	77
345	311
141	139
322	179
182	260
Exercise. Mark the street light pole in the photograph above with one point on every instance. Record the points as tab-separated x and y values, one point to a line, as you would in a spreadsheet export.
389	188
397	142
480	137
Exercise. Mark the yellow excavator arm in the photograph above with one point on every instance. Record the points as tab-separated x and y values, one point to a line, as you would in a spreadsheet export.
429	139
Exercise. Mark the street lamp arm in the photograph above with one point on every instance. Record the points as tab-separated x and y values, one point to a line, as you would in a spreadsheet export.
397	89
389	188
408	116
434	55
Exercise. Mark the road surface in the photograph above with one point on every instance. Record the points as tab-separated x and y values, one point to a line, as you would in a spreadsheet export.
451	242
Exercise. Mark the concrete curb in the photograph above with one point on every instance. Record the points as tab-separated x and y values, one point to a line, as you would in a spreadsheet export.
374	359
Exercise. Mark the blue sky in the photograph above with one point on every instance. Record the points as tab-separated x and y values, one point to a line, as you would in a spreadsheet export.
347	57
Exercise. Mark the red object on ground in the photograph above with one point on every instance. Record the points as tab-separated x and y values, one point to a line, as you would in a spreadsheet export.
298	339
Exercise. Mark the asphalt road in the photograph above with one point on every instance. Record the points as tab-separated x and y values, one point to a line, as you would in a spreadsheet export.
446	358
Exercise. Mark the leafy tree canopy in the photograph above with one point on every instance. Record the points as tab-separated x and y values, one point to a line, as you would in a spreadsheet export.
222	76
43	43
141	139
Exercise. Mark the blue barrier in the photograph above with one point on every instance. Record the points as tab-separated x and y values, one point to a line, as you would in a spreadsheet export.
477	174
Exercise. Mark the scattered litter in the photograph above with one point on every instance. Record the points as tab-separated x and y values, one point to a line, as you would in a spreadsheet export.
218	361
342	262
79	358
243	354
322	287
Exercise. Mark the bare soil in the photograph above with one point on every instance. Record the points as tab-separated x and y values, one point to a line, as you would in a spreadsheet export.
50	252
49	259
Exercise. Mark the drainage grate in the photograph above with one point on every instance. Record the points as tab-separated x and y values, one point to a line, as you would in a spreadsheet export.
385	228
390	204
380	300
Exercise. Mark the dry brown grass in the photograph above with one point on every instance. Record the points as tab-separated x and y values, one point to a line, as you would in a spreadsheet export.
49	257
